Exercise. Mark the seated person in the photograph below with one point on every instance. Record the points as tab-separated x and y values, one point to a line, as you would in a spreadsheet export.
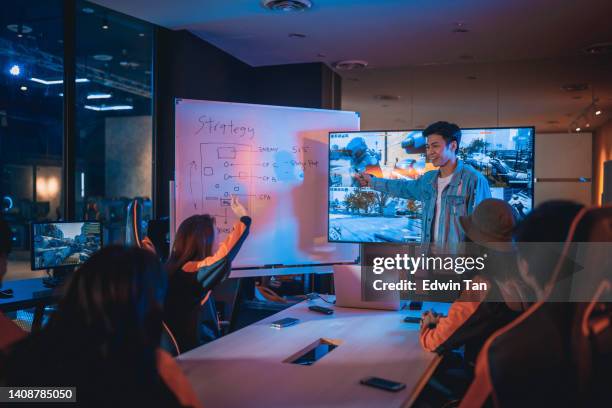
194	270
104	338
9	331
476	315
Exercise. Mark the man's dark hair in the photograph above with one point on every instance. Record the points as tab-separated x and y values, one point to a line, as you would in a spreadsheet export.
6	237
449	131
549	223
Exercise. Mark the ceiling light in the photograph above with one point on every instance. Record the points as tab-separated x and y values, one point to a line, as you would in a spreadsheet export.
598	112
23	88
349	65
387	97
599	49
141	34
588	125
103	57
105	24
287	5
460	28
104	108
575	87
47	82
15	70
20	29
577	129
99	96
56	81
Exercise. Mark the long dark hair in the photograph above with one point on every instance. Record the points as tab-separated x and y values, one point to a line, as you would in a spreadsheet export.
116	297
105	334
193	241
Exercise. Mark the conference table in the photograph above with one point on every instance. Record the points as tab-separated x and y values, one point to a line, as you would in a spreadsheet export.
29	293
251	367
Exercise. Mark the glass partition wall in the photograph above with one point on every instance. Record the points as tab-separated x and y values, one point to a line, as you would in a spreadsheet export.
111	158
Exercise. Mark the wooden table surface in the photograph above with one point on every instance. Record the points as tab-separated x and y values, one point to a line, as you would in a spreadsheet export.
247	368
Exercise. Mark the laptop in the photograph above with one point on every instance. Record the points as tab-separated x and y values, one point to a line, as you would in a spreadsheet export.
347	283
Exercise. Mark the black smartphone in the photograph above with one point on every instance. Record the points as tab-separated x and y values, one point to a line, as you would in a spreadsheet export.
412	319
383	384
414	305
321	309
287	321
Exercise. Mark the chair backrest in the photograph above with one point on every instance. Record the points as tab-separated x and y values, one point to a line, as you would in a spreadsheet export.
530	361
133	233
592	326
168	341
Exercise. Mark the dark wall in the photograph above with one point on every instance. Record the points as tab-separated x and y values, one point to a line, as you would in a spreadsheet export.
188	67
312	85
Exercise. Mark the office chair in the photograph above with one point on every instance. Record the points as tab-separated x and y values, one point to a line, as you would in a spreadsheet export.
543	373
592	326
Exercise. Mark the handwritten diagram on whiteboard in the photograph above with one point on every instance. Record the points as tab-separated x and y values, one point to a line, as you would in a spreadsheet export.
274	159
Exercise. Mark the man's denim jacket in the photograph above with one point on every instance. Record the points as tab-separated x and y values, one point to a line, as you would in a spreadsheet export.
466	189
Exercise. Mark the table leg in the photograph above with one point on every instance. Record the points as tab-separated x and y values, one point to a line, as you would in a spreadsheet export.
39	310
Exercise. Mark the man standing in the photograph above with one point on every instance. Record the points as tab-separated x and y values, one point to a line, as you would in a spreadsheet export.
452	191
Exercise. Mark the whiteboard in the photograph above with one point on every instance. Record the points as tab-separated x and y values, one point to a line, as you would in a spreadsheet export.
275	160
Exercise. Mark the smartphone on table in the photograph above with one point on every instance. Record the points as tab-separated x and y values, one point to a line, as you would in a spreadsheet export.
287	321
383	384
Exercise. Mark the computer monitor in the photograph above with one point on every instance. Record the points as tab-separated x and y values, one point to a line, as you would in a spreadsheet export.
58	245
504	156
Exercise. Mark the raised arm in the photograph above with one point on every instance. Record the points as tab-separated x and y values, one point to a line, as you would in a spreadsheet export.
231	245
398	188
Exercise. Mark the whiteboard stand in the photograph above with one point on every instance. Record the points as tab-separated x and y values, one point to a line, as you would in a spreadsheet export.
172	194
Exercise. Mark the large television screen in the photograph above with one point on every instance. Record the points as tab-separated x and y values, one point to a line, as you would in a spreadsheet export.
64	244
503	155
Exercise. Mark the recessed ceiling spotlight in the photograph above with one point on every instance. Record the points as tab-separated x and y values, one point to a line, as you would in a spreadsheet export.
287	5
141	34
599	49
348	65
460	28
578	129
578	87
23	88
598	112
15	70
103	57
105	24
87	10
588	125
297	35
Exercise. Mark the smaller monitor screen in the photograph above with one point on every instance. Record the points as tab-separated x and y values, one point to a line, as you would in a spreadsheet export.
64	244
